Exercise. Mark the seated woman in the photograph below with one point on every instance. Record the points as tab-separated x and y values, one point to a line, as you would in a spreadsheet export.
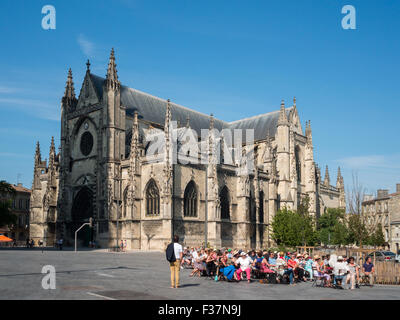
354	273
198	263
280	266
244	264
308	267
210	263
299	270
229	272
318	271
266	267
258	266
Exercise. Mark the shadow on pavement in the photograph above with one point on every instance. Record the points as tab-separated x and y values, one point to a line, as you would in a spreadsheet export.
68	271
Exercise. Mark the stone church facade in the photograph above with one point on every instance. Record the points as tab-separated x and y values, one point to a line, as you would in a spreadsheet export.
104	169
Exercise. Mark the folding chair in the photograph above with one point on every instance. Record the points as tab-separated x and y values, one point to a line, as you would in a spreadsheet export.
316	279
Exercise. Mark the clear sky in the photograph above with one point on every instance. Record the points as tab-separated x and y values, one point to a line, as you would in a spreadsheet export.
232	58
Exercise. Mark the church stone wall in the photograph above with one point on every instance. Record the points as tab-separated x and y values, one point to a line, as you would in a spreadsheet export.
118	174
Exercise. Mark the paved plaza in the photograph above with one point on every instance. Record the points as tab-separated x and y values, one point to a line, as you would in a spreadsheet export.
101	275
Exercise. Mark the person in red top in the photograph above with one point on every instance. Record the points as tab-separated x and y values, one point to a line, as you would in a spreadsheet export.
291	265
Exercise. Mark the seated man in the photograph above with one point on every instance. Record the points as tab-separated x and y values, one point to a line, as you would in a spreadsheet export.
369	270
340	271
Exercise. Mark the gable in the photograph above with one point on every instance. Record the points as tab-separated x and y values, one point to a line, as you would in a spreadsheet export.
88	94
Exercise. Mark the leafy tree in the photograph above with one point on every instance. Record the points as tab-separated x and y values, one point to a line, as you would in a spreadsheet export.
7	192
294	228
357	230
331	227
377	238
340	234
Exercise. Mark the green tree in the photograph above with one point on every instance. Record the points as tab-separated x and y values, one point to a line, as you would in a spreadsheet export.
294	228
357	231
7	192
377	238
331	227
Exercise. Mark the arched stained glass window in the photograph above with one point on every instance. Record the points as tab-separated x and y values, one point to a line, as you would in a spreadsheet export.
152	199
224	201
298	164
190	200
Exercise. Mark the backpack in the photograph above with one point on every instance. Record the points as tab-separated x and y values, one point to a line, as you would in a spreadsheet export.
170	253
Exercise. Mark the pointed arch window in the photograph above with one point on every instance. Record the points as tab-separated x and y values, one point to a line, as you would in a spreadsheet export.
152	199
190	200
298	163
224	201
125	202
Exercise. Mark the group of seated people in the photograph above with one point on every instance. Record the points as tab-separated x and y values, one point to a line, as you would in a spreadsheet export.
273	267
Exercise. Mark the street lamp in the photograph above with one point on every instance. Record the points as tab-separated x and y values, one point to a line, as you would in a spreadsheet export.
206	210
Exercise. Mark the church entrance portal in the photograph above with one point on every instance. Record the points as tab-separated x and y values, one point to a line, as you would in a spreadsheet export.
82	210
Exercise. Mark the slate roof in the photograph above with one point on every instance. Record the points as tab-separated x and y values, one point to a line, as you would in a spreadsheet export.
153	109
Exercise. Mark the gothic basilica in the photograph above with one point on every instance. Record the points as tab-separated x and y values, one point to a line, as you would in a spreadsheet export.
106	169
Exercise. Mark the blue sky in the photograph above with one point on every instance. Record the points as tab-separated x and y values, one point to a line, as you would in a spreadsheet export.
231	58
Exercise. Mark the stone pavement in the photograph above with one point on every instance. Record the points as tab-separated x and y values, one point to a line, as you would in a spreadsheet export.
141	275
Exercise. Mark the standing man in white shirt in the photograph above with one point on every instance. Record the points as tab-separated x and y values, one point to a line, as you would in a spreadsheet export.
175	266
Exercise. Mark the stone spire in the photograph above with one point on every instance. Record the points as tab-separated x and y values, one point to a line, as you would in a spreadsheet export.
168	115
327	180
187	121
69	88
134	155
211	121
294	102
38	157
309	133
167	185
69	97
52	148
340	186
36	170
168	133
283	120
112	77
339	180
134	141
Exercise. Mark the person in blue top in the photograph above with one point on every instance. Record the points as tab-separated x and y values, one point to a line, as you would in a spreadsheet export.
272	259
368	270
308	266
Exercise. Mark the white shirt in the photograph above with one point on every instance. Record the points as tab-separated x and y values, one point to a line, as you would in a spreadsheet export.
244	262
177	249
195	255
340	269
280	262
314	268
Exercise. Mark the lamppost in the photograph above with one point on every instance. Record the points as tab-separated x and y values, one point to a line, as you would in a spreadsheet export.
206	210
119	202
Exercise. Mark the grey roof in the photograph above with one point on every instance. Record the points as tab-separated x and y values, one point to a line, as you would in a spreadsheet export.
153	109
262	124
